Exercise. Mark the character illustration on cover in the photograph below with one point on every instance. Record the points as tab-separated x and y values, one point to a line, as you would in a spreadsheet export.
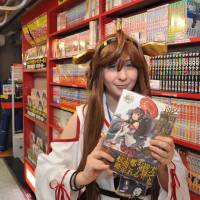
133	134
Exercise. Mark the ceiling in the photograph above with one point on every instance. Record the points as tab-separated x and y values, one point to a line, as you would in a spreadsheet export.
9	9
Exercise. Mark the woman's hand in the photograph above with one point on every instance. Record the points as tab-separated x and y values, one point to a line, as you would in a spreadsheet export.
162	149
94	165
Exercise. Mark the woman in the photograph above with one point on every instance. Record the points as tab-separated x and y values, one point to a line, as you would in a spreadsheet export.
76	166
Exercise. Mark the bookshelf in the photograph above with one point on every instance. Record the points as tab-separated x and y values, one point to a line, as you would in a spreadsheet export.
57	35
176	94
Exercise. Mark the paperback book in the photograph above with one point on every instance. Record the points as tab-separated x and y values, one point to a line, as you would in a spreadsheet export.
136	121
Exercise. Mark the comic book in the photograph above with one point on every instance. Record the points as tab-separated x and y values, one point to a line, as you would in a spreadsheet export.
137	119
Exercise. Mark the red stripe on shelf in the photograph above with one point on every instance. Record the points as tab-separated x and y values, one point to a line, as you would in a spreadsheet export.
73	139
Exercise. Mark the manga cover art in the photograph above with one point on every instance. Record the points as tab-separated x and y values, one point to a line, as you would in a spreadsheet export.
137	119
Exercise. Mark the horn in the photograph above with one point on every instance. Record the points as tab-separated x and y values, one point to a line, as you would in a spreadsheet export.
83	57
154	48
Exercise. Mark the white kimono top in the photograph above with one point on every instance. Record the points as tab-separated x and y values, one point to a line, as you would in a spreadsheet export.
53	171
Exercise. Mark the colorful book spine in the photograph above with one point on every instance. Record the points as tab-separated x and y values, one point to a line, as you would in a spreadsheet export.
177	71
187	126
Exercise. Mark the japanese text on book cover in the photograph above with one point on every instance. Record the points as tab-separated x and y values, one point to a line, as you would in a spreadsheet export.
137	119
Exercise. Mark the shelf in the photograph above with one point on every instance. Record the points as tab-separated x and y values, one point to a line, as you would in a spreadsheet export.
134	5
60	59
70	108
175	94
29	173
40	123
190	41
29	163
35	71
194	196
60	130
67	85
64	5
187	144
74	26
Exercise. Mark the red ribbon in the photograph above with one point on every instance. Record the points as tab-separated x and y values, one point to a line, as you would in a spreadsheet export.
60	191
175	182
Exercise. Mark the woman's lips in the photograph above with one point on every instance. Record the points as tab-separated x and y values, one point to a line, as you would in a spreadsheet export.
122	86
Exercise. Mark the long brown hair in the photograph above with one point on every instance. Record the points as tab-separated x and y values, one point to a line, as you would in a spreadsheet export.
107	52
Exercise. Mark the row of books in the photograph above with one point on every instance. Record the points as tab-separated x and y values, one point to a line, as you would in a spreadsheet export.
36	57
70	74
69	70
37	144
173	22
110	4
176	72
187	126
75	14
60	94
193	164
74	44
37	104
84	10
176	58
35	52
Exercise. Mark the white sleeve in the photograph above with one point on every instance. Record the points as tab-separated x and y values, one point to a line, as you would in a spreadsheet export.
177	173
51	169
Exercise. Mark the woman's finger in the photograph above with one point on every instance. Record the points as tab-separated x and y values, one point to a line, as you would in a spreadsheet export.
109	172
99	144
159	151
162	144
97	164
102	155
166	139
159	158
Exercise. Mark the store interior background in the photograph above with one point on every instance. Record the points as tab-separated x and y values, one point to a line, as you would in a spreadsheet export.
11	47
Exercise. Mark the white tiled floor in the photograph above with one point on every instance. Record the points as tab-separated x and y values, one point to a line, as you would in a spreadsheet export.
9	189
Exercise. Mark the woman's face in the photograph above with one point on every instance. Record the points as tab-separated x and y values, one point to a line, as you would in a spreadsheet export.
115	81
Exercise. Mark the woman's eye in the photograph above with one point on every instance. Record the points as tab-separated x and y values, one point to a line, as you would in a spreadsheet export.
112	66
129	65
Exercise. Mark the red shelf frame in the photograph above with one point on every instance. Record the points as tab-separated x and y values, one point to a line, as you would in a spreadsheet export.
36	121
56	128
29	163
29	172
187	144
56	105
67	85
35	71
175	94
190	41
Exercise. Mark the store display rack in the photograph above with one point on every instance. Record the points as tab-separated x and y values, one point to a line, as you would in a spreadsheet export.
52	9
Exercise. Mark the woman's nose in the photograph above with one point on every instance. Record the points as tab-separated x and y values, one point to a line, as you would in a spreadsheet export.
122	74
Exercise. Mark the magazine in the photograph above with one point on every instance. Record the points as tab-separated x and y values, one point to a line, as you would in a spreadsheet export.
136	121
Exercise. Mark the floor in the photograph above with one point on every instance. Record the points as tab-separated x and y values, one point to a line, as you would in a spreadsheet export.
6	153
12	183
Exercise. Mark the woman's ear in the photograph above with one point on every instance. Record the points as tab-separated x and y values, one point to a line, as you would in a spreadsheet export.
154	48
